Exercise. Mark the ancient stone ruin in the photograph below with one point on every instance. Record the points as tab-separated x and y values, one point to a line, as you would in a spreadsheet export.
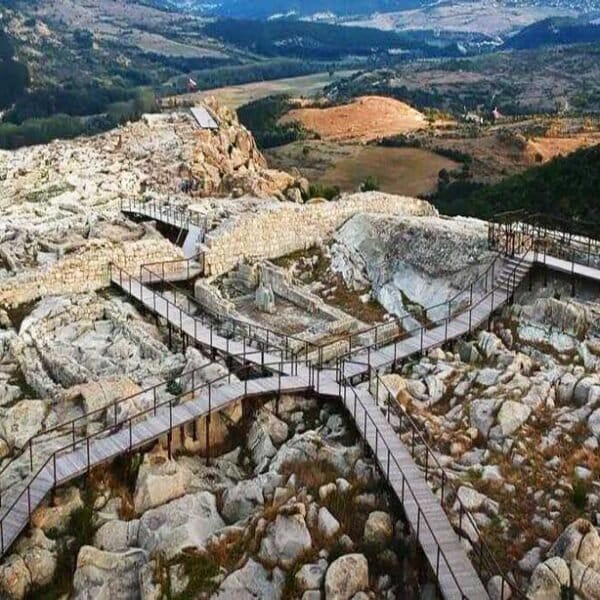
214	387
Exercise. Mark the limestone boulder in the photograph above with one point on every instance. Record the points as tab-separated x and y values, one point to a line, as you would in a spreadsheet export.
39	555
108	575
15	579
56	517
251	581
159	481
511	416
346	576
240	500
379	530
586	581
548	580
183	523
310	447
117	536
311	575
579	541
327	523
287	538
22	421
482	415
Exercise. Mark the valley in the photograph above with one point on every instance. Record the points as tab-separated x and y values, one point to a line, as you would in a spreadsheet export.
299	300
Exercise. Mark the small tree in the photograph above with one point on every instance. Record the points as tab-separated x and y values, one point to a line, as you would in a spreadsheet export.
370	184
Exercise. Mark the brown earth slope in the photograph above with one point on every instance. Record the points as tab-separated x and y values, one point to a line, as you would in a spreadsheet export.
367	118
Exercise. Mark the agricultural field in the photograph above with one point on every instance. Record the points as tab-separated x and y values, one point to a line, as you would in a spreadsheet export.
234	96
406	171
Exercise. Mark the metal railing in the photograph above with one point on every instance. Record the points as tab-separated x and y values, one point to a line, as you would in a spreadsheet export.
471	319
173	215
127	424
484	561
574	241
247	332
386	464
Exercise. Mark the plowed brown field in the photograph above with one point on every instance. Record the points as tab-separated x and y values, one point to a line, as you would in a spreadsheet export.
367	118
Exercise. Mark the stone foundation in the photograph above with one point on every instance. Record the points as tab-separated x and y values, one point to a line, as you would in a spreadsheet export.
85	270
278	229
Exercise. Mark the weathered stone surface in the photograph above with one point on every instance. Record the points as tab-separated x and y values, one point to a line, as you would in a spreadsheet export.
346	576
379	529
251	581
511	416
159	480
183	523
108	575
586	580
22	421
482	415
15	579
311	575
241	499
548	579
117	536
56	517
581	541
328	524
287	538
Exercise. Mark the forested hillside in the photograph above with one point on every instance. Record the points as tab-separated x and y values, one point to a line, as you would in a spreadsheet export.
320	41
555	31
14	76
567	187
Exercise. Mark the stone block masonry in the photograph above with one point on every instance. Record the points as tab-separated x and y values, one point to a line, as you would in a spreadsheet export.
85	270
281	228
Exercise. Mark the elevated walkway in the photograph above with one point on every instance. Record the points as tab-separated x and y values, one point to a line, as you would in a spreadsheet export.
454	572
190	223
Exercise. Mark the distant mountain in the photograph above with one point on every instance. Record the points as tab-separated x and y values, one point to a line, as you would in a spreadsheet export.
555	31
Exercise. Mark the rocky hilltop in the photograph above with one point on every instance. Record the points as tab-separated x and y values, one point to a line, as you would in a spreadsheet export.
278	498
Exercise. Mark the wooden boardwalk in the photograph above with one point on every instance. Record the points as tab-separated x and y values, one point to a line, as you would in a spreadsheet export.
424	339
568	267
170	215
75	460
441	545
439	541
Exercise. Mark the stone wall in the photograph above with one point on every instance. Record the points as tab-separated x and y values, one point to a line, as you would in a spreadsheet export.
84	271
212	301
281	228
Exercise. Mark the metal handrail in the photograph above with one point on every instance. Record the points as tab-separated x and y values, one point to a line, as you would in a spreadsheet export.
182	215
82	420
578	237
290	341
421	330
485	554
118	426
406	486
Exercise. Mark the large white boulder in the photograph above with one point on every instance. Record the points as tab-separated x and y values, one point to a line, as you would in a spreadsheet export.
548	580
346	576
159	480
251	581
183	523
108	575
579	541
287	538
379	529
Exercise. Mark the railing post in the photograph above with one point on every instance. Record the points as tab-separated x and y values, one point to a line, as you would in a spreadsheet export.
208	425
